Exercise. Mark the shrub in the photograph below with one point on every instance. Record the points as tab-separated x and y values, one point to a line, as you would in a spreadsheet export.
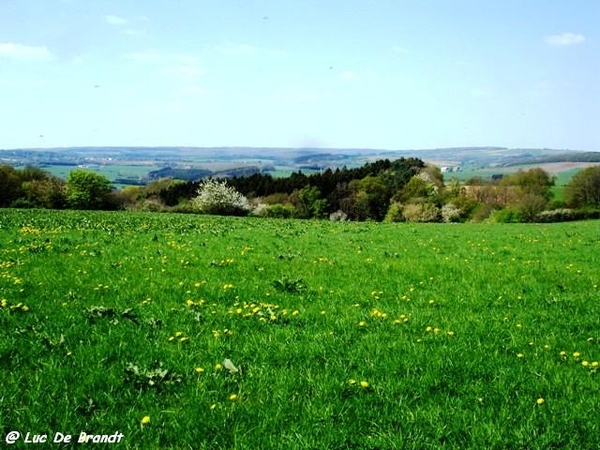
394	213
215	197
421	212
278	211
450	213
339	216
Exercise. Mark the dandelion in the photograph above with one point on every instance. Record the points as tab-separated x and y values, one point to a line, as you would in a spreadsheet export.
364	384
563	354
351	381
145	420
218	366
213	406
199	370
233	397
576	355
520	355
585	363
540	401
595	364
362	323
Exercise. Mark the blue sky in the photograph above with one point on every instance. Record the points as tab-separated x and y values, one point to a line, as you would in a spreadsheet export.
295	73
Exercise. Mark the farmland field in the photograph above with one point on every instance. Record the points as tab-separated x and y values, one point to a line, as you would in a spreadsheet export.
184	331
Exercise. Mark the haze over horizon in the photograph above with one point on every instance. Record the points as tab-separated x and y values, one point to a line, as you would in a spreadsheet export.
387	74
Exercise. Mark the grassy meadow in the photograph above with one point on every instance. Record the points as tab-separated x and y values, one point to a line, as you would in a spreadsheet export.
198	332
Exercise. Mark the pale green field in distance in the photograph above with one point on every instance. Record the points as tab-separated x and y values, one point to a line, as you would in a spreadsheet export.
338	335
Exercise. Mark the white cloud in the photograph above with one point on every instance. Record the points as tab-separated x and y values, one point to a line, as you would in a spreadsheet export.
25	52
115	20
481	93
194	91
399	50
185	71
349	75
245	50
132	32
564	39
153	56
145	56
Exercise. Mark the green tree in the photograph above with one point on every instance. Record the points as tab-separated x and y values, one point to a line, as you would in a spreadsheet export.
584	188
309	203
533	181
10	185
48	192
87	190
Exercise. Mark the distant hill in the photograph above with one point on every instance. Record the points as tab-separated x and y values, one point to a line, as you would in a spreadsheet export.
196	162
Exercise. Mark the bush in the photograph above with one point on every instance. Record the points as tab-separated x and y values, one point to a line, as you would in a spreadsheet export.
277	211
421	212
394	213
507	215
215	197
338	216
450	213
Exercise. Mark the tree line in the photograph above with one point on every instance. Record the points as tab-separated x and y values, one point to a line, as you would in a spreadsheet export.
405	189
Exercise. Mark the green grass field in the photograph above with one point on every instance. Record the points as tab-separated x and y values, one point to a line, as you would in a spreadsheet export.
199	332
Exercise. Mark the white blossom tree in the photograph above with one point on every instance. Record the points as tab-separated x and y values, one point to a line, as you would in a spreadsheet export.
216	197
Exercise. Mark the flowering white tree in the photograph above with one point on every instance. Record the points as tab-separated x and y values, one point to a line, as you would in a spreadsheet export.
215	197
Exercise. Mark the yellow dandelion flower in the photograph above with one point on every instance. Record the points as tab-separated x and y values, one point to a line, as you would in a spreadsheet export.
595	364
364	384
540	401
178	333
576	355
189	303
213	406
199	369
218	366
520	355
233	397
585	363
351	381
563	354
362	323
145	420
